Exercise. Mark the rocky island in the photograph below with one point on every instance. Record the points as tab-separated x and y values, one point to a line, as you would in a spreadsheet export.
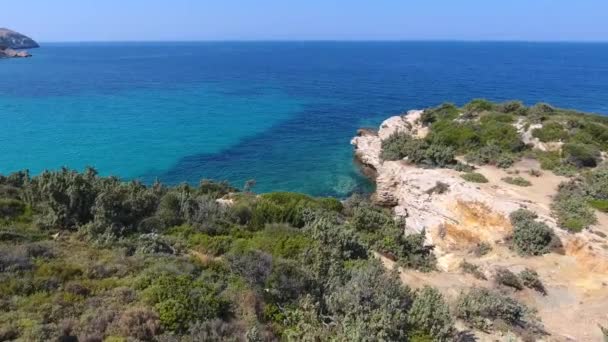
504	194
12	44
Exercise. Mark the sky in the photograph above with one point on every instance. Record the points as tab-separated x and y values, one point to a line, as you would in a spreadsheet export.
158	20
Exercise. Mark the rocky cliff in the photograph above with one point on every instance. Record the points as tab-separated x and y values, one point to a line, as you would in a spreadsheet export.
11	41
457	215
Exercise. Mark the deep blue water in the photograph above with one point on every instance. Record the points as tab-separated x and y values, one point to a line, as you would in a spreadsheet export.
280	113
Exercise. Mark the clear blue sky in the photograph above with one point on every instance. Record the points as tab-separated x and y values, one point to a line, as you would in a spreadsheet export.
112	20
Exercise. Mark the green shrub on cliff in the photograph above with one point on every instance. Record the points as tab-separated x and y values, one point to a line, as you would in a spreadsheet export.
519	181
570	207
474	177
551	131
418	151
480	307
531	237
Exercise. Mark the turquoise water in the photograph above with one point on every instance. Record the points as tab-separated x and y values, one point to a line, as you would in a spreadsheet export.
280	113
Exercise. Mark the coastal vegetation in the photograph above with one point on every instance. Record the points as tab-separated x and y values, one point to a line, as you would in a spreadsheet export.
98	259
565	142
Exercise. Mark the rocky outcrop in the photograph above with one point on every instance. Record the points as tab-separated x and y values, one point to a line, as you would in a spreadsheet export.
11	42
15	40
11	53
457	216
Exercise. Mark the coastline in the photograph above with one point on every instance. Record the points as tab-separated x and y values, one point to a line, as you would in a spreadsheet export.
462	215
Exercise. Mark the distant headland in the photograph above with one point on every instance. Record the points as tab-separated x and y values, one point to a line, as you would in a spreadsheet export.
12	42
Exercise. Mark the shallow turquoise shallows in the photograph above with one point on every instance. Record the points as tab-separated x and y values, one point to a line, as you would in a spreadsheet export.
280	113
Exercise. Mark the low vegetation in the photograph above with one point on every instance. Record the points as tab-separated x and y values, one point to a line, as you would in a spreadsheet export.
489	311
530	279
94	258
519	181
474	177
487	133
531	237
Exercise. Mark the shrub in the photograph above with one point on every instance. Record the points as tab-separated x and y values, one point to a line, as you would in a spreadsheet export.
571	209
541	110
581	155
530	279
529	236
439	155
596	183
446	111
514	107
416	254
507	278
551	131
522	216
393	147
472	269
485	155
181	300
505	160
139	323
287	207
601	205
479	105
216	330
519	181
254	266
504	135
474	177
460	136
418	151
215	189
481	249
430	314
371	305
478	306
11	208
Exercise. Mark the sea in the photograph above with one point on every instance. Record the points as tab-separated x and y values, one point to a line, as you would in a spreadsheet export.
280	113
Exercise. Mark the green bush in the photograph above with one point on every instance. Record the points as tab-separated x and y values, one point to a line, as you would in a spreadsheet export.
504	135
551	131
474	177
10	209
596	183
507	278
601	205
472	269
519	181
531	237
460	136
513	107
393	147
430	314
571	209
287	207
581	155
479	105
182	299
478	306
446	111
530	279
400	145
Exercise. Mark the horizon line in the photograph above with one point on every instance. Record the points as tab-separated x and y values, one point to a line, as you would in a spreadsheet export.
326	41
